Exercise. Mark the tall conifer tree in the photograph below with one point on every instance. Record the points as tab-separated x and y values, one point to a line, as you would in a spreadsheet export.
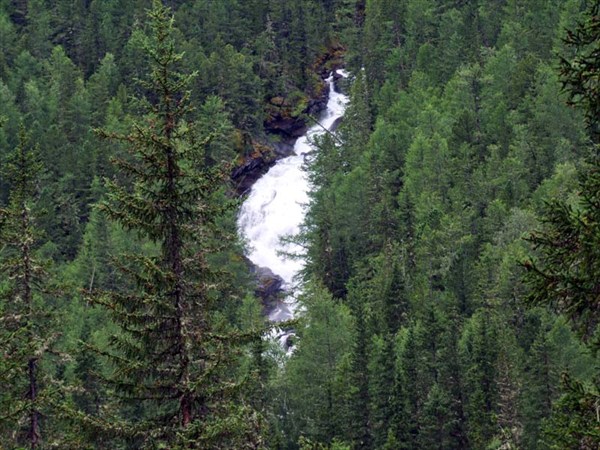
565	275
25	319
171	354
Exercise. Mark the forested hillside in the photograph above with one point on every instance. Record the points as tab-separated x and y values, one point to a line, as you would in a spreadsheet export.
450	294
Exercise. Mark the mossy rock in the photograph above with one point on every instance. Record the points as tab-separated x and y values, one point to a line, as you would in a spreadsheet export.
262	151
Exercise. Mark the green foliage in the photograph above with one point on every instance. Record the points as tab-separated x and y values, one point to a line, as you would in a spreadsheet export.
574	422
27	317
306	444
565	274
456	137
229	75
173	350
580	72
456	132
315	373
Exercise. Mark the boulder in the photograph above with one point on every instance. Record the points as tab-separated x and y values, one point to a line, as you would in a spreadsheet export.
334	126
285	126
319	103
283	149
251	170
269	288
340	84
268	283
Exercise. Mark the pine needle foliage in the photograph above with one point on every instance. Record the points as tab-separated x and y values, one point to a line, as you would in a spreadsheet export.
566	273
580	75
25	319
174	359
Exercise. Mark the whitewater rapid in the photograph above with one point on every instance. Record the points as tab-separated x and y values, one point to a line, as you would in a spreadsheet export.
276	207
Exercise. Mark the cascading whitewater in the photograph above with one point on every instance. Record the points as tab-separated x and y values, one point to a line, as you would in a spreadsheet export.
276	206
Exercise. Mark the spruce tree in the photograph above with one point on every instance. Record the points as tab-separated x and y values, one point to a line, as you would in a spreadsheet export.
25	319
565	273
173	360
580	73
359	379
390	298
478	352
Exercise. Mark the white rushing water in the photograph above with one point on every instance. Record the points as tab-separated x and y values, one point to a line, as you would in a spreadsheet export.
276	206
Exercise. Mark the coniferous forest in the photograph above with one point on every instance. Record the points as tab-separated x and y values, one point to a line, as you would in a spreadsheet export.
450	297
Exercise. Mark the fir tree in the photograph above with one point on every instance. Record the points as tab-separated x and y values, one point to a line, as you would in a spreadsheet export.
390	297
580	73
25	318
359	379
565	274
172	352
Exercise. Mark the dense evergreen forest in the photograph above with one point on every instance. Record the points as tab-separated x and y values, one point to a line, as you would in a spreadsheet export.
450	295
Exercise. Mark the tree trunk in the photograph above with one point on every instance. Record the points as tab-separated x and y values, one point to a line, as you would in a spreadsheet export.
34	434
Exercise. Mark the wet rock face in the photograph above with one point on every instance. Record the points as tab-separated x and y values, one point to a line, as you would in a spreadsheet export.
251	170
284	128
318	104
336	124
284	149
340	83
284	120
268	287
287	127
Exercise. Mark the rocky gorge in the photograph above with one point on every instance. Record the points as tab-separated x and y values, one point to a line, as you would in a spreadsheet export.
275	205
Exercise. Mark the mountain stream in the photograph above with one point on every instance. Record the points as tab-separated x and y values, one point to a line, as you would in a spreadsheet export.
276	206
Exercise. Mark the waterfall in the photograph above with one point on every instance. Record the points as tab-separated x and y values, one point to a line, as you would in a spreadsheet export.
276	206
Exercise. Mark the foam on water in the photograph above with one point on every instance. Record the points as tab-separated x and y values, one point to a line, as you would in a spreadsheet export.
276	206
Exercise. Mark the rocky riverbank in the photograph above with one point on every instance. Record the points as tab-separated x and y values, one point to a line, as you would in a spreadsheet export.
286	120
